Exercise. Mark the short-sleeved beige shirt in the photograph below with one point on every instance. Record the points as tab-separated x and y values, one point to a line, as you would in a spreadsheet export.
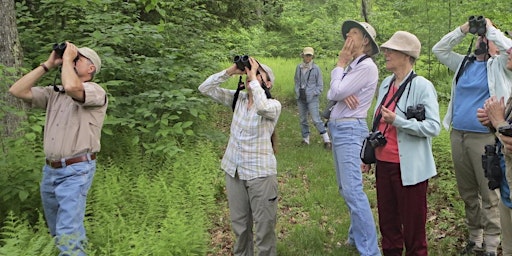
72	128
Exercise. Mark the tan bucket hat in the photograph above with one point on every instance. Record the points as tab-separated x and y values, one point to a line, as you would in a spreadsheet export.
404	42
367	28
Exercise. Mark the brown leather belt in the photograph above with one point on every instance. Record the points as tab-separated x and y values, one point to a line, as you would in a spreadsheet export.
70	161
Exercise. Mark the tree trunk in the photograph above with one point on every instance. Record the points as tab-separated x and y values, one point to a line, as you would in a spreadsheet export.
11	57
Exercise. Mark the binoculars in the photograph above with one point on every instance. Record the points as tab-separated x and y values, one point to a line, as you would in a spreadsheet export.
242	61
59	48
477	25
492	167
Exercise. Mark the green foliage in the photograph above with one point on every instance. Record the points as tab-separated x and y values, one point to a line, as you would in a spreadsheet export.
152	193
20	167
163	212
18	238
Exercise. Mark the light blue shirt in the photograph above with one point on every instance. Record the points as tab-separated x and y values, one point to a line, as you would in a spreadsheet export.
470	94
415	138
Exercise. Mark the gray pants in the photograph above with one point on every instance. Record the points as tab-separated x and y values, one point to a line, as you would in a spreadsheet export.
481	203
253	202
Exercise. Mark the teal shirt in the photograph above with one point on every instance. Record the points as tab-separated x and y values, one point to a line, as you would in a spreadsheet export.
415	138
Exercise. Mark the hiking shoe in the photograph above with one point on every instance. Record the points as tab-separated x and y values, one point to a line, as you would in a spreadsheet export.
472	249
327	145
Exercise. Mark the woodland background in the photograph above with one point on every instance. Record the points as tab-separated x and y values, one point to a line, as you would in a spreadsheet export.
158	189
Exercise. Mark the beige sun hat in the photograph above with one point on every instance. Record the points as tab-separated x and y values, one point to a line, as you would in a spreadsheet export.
92	56
404	42
269	72
308	50
367	28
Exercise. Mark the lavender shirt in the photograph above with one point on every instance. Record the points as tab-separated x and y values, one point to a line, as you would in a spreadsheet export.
358	79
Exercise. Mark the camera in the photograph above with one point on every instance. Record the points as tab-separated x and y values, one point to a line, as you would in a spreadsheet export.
242	61
477	25
492	167
417	112
506	130
59	49
377	139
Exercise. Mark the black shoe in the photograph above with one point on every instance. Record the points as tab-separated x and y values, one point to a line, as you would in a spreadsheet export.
472	249
327	145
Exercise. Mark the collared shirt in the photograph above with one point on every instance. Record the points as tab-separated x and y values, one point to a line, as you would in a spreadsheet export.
72	128
359	79
249	151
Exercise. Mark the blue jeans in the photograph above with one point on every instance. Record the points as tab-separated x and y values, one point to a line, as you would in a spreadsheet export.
63	194
347	138
312	108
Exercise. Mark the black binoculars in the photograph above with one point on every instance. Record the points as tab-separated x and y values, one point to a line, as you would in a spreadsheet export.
477	25
59	48
242	61
492	167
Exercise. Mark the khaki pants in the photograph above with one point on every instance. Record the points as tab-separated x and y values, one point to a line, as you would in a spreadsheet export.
253	201
481	203
506	225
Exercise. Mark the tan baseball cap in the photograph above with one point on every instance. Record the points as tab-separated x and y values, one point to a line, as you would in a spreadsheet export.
92	56
308	50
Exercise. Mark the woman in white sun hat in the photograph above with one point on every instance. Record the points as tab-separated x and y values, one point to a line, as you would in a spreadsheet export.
352	87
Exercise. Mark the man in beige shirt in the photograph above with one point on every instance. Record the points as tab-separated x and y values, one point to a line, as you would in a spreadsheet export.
75	112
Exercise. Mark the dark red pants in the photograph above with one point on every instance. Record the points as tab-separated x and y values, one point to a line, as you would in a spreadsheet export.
402	212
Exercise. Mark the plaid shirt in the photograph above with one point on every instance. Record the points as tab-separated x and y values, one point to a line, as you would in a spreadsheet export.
249	149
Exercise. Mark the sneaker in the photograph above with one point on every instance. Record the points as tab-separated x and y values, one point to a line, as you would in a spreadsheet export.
472	249
327	145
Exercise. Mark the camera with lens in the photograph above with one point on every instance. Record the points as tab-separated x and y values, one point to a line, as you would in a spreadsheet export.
492	167
377	139
59	49
417	112
477	25
242	61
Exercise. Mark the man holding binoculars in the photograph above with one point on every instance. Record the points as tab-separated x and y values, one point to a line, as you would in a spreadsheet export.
74	117
478	76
